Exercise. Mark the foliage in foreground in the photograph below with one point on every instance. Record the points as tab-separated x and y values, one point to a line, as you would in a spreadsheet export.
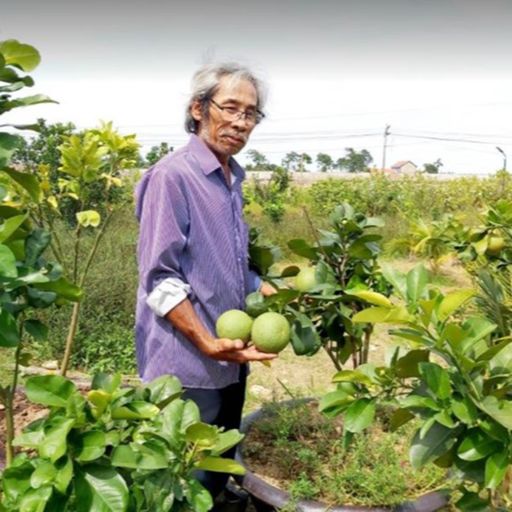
118	449
453	375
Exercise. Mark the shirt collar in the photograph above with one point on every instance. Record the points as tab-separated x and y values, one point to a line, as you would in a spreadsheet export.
208	161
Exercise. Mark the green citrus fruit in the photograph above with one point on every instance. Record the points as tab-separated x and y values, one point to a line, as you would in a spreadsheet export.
270	332
234	325
255	304
305	280
495	245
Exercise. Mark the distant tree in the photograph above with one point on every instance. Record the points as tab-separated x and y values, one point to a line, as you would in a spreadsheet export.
294	161
354	161
324	162
433	168
259	161
158	152
43	149
303	160
291	160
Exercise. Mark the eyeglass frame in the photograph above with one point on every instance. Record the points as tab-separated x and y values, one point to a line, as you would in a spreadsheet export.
258	115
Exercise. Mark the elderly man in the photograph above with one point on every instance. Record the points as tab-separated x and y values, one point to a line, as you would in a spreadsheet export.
193	251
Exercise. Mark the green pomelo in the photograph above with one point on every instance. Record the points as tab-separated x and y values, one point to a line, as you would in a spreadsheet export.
234	325
495	245
305	280
255	304
270	332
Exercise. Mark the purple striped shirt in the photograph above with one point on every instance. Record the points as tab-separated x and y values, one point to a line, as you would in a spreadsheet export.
191	228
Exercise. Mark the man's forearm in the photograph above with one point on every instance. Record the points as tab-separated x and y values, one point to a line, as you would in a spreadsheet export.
185	319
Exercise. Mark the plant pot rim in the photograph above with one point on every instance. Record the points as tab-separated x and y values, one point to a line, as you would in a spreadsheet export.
278	498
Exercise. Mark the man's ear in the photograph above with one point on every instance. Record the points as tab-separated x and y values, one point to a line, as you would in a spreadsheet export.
196	111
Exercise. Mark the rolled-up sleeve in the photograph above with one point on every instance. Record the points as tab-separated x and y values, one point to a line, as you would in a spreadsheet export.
164	224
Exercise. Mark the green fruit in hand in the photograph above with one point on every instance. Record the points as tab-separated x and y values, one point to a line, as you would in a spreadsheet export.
255	304
305	280
270	332
495	245
234	325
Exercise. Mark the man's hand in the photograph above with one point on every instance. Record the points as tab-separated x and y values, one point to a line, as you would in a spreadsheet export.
235	351
266	289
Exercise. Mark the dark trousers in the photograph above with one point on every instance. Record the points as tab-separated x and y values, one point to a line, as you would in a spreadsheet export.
223	408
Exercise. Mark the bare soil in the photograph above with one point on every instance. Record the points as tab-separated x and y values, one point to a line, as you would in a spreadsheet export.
25	412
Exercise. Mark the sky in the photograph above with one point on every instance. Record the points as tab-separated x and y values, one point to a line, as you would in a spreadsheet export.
337	71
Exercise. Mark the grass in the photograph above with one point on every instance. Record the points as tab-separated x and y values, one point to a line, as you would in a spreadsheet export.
304	453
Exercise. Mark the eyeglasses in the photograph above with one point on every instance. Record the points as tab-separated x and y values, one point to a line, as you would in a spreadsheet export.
233	114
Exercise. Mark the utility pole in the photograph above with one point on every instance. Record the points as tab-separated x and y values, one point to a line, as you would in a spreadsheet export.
504	157
386	133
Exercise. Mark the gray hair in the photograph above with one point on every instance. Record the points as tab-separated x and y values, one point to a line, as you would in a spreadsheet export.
205	84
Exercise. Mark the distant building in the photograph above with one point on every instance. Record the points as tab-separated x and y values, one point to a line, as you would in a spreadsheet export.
404	167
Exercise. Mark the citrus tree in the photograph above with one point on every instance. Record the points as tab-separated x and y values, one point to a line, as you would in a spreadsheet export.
28	281
451	374
115	450
342	270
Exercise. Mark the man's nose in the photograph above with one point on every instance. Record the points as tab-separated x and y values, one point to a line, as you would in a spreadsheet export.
240	123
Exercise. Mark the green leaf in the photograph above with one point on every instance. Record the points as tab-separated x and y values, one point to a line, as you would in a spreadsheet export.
88	218
7	262
302	248
23	56
499	410
100	489
419	402
202	434
50	390
125	456
359	415
8	145
495	469
63	288
304	336
25	102
106	382
9	226
476	445
152	455
164	389
9	331
334	403
408	365
199	498
435	443
226	440
452	302
464	409
372	297
352	376
35	245
472	502
64	474
437	379
394	315
417	281
396	279
16	480
54	444
26	181
35	500
44	474
136	410
220	465
400	417
36	329
91	446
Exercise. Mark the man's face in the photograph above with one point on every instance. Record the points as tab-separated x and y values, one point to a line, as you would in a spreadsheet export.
224	134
